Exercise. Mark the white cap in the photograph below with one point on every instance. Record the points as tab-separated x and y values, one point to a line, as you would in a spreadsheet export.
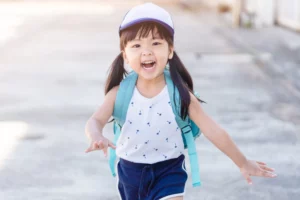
147	12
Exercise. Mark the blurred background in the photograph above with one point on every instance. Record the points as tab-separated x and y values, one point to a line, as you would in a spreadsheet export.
243	55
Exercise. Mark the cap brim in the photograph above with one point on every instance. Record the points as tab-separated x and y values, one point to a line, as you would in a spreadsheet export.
169	28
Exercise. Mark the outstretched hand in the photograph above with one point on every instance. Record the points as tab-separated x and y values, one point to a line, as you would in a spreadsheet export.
100	144
256	168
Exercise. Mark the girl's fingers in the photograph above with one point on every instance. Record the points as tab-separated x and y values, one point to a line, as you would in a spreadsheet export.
261	163
92	147
248	179
103	144
95	145
268	174
100	145
88	150
267	168
110	144
105	152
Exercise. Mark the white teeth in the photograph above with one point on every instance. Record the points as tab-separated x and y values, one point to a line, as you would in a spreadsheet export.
148	62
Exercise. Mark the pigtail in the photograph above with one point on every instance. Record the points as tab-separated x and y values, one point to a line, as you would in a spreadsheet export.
116	74
183	81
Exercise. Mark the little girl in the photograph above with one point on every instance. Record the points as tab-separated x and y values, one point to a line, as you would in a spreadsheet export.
150	147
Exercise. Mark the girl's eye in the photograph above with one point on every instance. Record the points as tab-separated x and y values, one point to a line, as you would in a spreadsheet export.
156	43
136	46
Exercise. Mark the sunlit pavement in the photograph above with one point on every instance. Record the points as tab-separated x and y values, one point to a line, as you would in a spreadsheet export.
53	63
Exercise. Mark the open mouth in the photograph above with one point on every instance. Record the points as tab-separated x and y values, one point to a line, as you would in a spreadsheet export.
148	64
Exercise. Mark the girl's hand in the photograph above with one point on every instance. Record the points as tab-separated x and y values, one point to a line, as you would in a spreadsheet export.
100	143
256	168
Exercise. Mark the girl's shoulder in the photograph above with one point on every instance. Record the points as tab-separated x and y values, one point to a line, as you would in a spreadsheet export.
111	95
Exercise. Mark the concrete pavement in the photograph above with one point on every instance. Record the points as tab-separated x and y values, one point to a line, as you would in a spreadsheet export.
52	74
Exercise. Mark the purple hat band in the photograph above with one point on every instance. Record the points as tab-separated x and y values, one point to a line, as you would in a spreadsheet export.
169	28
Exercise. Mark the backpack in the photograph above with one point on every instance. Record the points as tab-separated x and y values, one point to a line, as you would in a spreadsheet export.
189	129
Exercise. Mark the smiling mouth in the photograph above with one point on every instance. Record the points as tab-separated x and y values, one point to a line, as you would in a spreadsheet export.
148	64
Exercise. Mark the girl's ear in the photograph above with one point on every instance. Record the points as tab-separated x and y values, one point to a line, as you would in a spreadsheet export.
171	53
125	57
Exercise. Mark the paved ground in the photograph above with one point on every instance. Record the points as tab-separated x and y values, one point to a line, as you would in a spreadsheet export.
53	64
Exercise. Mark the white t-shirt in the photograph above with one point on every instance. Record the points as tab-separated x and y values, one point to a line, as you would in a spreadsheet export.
150	133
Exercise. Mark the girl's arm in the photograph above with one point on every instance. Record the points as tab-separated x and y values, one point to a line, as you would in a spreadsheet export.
218	136
96	123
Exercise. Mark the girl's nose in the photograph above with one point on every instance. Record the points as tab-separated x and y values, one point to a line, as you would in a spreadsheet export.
147	53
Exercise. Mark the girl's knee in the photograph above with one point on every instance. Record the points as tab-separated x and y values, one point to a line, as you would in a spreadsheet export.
175	198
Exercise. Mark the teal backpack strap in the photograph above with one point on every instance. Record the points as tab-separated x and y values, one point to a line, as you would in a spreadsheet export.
123	97
192	155
112	152
122	102
186	130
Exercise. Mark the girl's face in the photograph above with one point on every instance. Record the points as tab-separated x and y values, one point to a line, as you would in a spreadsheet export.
148	56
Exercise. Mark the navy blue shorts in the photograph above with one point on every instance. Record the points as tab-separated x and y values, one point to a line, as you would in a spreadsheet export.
139	181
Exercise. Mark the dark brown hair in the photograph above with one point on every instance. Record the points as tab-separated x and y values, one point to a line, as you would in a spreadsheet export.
179	74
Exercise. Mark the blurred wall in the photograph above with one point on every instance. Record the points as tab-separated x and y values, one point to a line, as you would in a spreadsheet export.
288	13
264	11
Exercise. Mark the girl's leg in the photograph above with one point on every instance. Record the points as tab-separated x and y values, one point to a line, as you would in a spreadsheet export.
175	198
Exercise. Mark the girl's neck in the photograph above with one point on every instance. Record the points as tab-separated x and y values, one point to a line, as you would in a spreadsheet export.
156	83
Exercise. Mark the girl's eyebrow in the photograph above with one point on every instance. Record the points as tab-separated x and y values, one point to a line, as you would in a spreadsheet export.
136	39
154	38
157	37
